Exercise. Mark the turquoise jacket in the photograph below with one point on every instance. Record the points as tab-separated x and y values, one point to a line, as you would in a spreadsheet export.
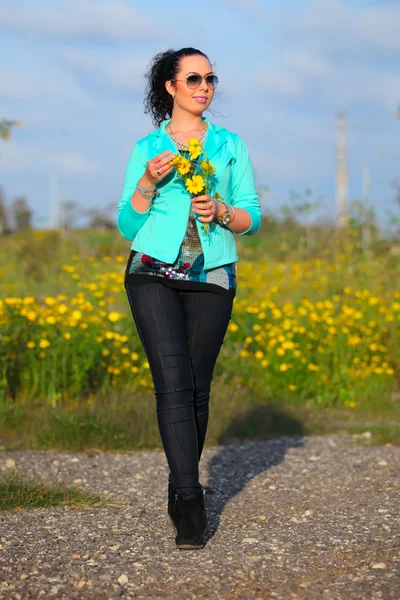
160	230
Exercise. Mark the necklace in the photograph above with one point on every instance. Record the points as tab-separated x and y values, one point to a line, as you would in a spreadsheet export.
181	145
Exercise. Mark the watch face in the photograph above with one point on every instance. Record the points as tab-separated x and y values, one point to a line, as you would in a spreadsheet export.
227	218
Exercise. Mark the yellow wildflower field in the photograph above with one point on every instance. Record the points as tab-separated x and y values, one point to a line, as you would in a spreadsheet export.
300	330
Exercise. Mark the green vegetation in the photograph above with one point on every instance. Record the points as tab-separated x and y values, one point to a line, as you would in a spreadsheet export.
18	492
313	344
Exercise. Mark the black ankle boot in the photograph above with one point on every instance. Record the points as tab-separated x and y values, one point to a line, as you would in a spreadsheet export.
173	509
193	522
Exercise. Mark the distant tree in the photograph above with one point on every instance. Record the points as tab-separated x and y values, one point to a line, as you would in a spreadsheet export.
68	214
99	219
6	126
3	214
22	214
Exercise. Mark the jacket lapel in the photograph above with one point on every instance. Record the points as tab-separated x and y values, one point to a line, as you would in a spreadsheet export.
161	140
215	138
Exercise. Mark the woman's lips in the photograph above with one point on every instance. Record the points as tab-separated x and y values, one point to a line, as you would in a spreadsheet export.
201	99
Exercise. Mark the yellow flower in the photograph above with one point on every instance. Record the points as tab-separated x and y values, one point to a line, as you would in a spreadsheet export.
31	315
44	343
29	300
113	317
50	320
233	327
135	356
292	387
67	335
194	148
50	301
288	345
283	367
208	168
62	309
184	166
195	185
30	345
175	162
76	314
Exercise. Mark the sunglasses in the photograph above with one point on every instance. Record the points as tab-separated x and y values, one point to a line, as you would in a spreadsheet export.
193	81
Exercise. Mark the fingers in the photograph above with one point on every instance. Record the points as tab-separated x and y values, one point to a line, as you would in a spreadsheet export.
163	158
205	207
202	198
159	167
163	172
208	219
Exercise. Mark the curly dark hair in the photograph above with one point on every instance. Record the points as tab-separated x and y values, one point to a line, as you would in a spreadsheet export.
164	66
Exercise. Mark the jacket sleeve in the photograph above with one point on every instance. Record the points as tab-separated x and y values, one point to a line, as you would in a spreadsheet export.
129	220
244	192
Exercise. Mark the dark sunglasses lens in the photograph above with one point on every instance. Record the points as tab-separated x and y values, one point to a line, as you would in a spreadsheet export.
193	81
212	81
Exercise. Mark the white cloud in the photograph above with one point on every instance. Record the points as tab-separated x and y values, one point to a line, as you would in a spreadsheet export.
48	85
123	73
17	157
330	24
15	86
105	18
289	77
306	63
364	86
280	81
251	6
333	53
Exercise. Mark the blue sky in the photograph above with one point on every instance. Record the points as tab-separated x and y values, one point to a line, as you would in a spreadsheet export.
73	71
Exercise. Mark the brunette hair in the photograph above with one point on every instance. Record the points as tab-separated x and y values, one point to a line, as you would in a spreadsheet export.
164	66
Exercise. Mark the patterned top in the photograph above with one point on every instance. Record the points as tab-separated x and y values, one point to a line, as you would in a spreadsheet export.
187	272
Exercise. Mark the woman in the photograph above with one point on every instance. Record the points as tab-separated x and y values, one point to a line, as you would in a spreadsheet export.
180	277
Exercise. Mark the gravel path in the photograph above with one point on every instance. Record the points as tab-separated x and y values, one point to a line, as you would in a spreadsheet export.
314	517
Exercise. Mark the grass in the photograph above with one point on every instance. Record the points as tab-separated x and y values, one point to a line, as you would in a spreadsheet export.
19	492
120	422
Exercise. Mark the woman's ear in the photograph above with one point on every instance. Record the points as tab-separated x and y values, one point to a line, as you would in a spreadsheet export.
170	88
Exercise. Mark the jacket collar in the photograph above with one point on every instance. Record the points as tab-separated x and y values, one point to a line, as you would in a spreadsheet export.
215	138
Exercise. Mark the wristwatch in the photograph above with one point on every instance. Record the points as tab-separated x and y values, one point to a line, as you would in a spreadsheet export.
226	216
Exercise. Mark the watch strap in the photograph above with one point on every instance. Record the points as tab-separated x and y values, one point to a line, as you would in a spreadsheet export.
221	217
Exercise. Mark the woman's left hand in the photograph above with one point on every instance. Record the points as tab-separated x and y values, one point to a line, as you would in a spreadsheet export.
205	207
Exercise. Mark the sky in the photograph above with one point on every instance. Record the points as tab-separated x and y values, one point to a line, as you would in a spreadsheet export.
73	71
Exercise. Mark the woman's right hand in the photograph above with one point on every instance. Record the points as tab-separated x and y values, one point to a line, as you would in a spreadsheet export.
158	167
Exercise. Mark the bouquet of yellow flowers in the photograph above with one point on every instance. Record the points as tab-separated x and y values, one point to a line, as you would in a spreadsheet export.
198	176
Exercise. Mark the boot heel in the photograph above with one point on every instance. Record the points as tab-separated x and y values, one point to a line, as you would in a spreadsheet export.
193	523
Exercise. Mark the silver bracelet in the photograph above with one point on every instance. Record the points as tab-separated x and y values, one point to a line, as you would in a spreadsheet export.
142	192
143	189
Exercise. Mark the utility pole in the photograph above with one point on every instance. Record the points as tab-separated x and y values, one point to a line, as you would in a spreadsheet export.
341	171
54	204
366	227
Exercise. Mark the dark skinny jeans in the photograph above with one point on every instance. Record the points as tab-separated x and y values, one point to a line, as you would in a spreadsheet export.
182	333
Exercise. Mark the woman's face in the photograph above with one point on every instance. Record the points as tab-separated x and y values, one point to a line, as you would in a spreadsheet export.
195	100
